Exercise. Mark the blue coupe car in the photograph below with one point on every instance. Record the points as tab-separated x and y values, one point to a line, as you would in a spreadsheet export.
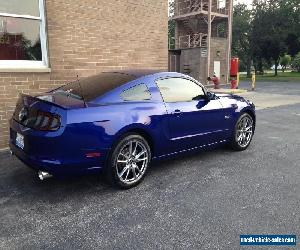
120	121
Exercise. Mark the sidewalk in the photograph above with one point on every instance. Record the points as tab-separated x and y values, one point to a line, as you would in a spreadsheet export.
266	100
262	100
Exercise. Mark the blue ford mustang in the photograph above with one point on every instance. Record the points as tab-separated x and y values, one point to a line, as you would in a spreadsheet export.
120	121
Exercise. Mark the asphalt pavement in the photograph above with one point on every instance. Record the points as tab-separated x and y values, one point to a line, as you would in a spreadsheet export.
197	201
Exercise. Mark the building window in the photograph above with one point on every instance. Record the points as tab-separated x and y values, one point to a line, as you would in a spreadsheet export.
221	4
22	34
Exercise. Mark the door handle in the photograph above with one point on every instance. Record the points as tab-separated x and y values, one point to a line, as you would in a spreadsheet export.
177	112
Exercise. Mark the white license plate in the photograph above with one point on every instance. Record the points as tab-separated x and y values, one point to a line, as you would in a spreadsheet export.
20	141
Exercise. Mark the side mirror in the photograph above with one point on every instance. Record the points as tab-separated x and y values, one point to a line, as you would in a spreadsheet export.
210	96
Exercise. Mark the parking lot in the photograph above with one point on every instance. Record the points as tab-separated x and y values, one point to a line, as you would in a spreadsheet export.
200	201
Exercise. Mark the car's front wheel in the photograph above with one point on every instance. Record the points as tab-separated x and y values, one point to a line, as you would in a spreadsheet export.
129	161
243	133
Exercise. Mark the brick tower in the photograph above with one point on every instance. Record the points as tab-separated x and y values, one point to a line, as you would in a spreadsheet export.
203	34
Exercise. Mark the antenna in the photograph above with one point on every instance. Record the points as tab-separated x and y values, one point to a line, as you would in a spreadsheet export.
82	95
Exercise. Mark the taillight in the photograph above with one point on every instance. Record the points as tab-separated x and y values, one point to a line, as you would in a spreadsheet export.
47	121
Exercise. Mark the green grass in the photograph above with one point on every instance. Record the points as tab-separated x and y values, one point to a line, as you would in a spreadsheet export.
269	77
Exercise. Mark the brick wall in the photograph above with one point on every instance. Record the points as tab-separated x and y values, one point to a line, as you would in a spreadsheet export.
192	60
89	36
193	63
219	44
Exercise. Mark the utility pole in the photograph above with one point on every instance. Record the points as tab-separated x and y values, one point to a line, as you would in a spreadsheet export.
209	20
230	17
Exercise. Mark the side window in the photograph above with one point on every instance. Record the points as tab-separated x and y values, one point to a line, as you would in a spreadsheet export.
179	90
137	93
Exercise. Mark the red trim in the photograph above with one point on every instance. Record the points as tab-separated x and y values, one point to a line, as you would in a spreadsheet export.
92	155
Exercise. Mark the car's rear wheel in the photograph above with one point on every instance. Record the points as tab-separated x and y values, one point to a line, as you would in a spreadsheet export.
243	133
129	161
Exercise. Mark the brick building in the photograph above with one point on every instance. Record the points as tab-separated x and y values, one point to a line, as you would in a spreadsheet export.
45	43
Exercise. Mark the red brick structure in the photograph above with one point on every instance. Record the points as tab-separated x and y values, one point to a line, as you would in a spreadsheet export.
85	37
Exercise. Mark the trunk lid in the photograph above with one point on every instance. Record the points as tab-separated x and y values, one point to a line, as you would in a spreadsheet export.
40	112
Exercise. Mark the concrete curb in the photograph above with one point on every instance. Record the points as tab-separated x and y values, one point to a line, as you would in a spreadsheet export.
229	91
3	150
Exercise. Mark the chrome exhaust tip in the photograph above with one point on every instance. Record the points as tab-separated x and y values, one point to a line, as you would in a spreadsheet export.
44	175
11	152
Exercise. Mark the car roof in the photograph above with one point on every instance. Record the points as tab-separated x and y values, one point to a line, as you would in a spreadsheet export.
136	73
90	88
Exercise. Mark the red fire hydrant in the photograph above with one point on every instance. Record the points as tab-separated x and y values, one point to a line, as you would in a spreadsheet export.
233	83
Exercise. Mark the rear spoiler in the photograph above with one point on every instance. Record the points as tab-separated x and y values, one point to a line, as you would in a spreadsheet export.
42	98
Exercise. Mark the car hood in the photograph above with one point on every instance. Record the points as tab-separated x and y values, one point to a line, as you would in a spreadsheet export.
231	96
228	100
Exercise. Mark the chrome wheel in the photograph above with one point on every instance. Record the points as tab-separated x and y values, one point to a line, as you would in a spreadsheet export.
131	162
244	131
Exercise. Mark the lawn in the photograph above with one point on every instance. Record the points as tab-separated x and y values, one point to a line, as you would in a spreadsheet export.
282	77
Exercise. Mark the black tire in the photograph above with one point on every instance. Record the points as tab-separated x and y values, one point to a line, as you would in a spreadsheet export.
121	152
237	142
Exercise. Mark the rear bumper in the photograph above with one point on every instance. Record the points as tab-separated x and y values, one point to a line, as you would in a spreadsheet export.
51	166
56	155
55	167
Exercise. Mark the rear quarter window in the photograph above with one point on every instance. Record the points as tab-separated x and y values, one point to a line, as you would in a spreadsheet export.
137	93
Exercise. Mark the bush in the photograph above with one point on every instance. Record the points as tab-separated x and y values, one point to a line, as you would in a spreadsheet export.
285	61
296	62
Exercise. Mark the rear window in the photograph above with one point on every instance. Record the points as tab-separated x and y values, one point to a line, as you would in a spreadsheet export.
137	93
93	87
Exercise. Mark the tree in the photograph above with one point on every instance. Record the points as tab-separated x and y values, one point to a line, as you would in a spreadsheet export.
241	36
285	61
296	62
293	43
292	15
269	34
